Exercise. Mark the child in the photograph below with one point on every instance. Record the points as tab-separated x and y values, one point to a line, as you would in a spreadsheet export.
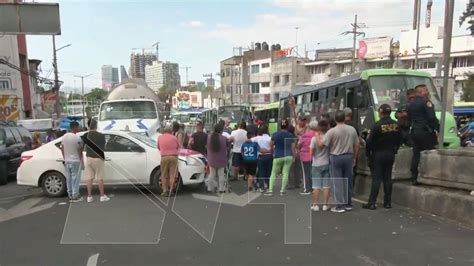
249	153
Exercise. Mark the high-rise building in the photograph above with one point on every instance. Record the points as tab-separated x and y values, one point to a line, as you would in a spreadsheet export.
110	76
138	63
161	74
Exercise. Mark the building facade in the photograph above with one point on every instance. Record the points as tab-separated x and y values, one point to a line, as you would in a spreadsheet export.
138	62
110	77
162	74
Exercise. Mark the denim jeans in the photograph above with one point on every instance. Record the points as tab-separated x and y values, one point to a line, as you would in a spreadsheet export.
264	170
73	178
341	173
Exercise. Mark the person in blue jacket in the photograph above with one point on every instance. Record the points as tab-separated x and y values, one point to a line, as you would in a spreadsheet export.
249	153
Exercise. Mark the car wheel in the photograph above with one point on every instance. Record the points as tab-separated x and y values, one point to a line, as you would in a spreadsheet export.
54	185
3	173
178	184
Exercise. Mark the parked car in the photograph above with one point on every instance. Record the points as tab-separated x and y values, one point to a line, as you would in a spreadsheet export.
131	158
13	141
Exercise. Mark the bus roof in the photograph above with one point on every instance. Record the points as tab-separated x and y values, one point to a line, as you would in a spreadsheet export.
364	75
269	106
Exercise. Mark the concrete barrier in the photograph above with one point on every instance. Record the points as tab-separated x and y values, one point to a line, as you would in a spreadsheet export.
401	168
448	168
457	205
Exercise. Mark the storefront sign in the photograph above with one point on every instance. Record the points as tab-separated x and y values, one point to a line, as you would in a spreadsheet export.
284	52
374	47
9	108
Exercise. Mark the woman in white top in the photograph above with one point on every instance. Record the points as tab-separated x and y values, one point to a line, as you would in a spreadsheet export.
265	159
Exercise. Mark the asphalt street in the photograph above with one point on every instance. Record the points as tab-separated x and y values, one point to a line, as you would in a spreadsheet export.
242	228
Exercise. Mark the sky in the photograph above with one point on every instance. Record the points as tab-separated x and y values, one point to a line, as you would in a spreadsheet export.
201	33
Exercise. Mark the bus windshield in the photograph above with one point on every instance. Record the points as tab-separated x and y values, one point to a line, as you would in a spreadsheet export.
128	110
234	113
392	89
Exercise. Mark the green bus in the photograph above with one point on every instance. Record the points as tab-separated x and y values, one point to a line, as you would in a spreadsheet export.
364	92
234	113
268	114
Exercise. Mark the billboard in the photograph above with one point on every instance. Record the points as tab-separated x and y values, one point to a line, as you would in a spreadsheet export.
30	18
9	109
374	47
186	100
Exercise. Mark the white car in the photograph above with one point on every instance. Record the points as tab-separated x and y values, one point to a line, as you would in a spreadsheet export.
131	158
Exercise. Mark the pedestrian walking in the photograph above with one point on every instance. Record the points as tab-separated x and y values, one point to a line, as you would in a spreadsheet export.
169	149
304	143
423	129
249	153
217	159
71	149
198	139
343	143
94	143
238	137
320	166
283	145
381	146
265	158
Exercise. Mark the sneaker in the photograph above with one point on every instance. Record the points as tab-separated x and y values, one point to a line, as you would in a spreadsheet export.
325	208
348	207
305	192
315	208
261	190
387	206
165	194
268	193
104	198
90	199
338	209
283	193
369	206
77	199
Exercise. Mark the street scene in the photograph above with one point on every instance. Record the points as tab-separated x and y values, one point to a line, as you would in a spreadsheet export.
292	132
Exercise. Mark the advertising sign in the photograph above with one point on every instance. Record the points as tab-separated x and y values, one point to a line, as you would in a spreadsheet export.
374	47
186	100
48	101
284	52
9	108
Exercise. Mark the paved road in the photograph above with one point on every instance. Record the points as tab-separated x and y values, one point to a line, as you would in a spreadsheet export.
138	228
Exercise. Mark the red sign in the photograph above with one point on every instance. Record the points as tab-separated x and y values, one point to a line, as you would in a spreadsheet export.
284	52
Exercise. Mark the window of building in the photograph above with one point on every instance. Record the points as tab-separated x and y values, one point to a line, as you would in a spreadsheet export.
381	64
255	69
318	69
227	72
276	79
265	65
426	65
222	74
286	79
265	84
463	61
255	87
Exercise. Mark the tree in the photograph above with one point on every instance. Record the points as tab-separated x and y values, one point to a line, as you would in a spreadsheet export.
468	88
96	94
164	93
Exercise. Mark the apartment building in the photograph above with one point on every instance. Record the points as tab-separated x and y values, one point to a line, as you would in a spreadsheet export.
138	62
162	74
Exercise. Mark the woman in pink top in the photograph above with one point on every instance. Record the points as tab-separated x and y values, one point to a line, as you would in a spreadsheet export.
168	146
304	142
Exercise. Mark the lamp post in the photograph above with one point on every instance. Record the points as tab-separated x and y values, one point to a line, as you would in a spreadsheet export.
56	76
83	105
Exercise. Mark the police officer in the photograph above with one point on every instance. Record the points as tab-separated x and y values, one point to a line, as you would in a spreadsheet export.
382	144
402	117
423	127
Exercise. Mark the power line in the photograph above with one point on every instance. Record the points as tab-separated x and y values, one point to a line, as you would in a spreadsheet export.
356	31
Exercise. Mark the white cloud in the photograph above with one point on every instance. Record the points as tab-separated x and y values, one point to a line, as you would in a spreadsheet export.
223	26
193	24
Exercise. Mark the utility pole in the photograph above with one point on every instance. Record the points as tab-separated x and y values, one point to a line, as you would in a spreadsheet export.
448	32
355	32
157	45
418	20
56	76
187	68
83	105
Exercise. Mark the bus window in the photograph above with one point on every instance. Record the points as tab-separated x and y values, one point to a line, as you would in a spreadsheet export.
362	98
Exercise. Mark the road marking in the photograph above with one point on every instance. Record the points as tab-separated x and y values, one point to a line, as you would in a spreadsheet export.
231	199
24	208
92	261
20	196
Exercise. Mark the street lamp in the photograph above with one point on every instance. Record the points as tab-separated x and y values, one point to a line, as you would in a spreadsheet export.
56	77
83	105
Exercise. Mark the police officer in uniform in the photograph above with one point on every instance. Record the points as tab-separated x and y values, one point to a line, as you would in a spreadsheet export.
402	117
423	127
382	144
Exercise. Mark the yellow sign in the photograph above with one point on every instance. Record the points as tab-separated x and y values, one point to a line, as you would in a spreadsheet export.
9	108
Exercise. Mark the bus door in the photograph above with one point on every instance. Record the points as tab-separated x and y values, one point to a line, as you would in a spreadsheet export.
357	98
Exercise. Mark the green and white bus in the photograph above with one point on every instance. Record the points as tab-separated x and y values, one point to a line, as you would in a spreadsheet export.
364	92
268	114
235	113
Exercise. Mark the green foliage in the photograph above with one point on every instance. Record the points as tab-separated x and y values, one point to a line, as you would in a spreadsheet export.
468	88
96	94
166	93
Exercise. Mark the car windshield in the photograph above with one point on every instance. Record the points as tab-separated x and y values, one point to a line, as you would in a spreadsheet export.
128	110
392	89
144	138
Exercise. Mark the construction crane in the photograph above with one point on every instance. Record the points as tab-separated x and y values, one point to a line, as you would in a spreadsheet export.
157	45
187	68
